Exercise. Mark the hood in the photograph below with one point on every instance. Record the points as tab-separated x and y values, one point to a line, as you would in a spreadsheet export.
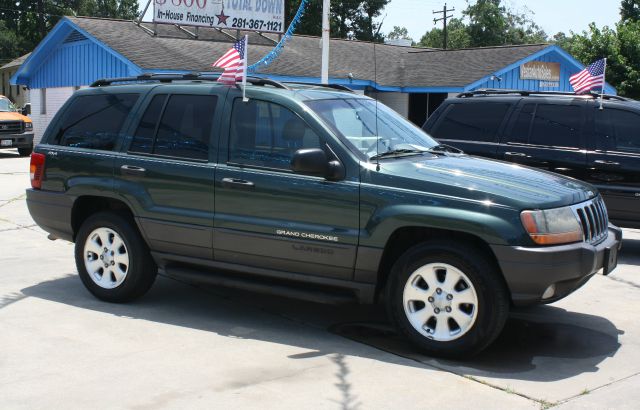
481	179
13	116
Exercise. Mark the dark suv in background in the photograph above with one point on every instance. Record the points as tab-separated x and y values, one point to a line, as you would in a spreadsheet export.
563	133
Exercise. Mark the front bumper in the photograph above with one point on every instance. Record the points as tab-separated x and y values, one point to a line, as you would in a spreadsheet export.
530	271
24	140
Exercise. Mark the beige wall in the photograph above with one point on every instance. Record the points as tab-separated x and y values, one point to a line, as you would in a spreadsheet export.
15	93
55	98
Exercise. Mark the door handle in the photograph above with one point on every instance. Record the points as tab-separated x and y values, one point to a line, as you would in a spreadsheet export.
603	162
132	170
237	183
515	154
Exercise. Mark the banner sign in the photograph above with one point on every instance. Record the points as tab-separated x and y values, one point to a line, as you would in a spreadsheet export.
254	15
538	70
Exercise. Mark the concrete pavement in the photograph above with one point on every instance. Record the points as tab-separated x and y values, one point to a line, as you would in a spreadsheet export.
186	346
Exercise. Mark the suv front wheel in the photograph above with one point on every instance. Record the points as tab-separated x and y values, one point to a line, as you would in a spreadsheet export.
112	258
447	298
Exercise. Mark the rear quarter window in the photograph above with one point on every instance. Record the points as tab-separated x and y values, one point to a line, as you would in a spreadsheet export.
94	121
477	121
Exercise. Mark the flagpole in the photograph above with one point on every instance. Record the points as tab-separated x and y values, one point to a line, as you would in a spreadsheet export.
324	70
604	79
244	62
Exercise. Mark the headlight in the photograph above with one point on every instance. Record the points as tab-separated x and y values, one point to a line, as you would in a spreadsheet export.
28	126
552	226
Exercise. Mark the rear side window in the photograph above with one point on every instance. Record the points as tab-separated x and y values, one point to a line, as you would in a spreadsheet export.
94	121
183	130
547	125
472	122
626	125
267	134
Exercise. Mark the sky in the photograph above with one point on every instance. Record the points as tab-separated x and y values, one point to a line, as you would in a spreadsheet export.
552	15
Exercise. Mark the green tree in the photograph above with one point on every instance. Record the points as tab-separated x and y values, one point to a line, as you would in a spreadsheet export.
621	48
30	21
490	23
457	36
630	10
348	19
399	33
8	44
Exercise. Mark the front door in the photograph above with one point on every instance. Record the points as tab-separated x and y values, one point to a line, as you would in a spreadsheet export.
269	217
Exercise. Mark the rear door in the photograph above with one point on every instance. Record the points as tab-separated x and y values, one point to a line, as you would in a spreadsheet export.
167	170
547	135
266	215
472	125
614	161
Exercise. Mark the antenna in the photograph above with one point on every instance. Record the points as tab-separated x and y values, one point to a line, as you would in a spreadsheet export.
444	19
375	82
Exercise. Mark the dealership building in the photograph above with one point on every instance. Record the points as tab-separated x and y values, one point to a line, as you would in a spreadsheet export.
413	81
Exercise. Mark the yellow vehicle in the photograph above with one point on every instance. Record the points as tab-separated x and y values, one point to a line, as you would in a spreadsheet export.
16	129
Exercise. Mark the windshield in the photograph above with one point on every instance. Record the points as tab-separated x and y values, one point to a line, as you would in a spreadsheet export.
355	120
6	105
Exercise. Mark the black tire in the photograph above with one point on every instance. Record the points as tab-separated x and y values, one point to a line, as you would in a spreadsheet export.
25	152
492	297
142	270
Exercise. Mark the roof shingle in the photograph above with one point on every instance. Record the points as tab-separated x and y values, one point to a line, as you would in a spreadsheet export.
173	49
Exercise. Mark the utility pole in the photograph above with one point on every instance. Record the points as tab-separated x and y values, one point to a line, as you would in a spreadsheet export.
444	19
324	75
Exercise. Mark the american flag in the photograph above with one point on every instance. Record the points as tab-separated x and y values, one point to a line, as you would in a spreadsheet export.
589	78
233	62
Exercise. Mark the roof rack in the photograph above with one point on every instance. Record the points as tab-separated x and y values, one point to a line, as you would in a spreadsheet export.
168	78
526	93
334	86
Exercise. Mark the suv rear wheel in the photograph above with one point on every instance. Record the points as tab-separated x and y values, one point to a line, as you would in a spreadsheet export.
113	260
446	298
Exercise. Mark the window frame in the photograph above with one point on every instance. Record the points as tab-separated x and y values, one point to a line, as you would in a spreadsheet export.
324	145
215	122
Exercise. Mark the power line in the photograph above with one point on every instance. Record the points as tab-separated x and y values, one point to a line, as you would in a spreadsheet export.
444	18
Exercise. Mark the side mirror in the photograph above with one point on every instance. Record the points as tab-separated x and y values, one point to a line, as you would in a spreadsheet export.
26	110
314	161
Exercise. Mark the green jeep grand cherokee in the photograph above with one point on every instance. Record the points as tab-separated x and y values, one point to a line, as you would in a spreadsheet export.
309	192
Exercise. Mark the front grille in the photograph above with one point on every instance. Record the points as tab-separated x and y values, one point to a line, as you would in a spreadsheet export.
594	220
11	127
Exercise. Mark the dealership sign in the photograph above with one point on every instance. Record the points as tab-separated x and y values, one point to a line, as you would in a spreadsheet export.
538	70
255	15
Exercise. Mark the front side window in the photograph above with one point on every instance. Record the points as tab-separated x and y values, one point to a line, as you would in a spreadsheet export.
94	121
267	134
180	127
372	128
472	122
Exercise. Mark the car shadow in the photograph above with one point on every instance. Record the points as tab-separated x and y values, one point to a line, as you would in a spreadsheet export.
567	343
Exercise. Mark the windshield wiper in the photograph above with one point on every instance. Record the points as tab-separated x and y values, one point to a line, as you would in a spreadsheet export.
444	148
397	153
